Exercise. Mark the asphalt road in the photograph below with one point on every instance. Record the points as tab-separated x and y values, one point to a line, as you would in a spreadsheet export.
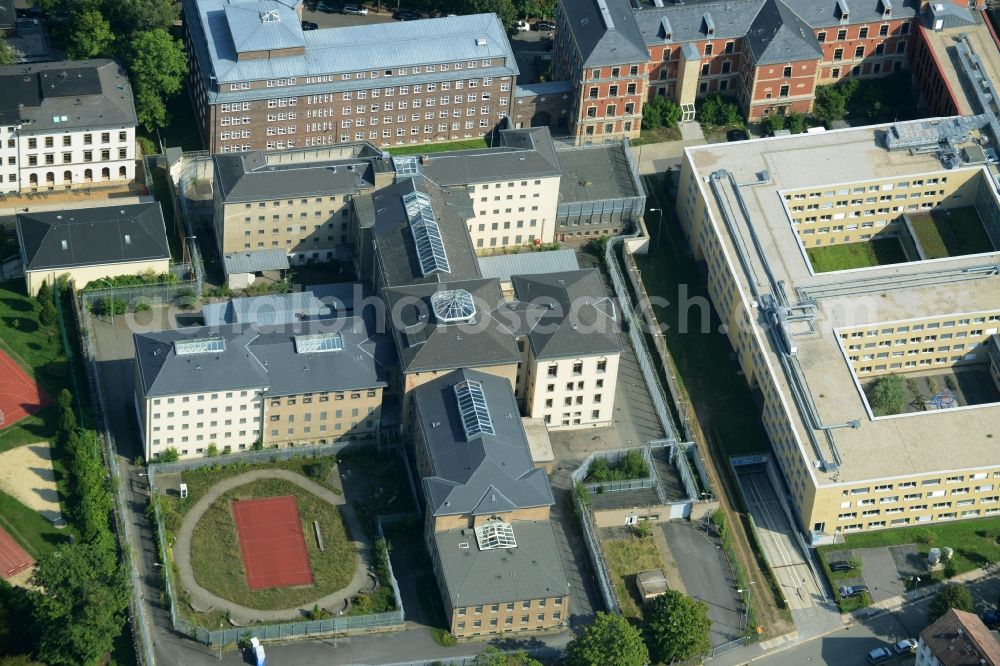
848	646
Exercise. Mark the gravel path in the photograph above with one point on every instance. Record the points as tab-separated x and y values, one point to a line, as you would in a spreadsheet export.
204	600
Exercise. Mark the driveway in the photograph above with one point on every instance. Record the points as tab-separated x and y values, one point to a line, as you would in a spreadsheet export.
879	571
706	575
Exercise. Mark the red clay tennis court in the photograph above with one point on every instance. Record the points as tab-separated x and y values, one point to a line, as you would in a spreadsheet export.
20	395
13	558
272	543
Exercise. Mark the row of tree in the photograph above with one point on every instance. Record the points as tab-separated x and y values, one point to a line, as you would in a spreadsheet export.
675	628
509	11
136	32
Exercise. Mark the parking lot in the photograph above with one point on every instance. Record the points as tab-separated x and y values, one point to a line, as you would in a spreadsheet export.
884	570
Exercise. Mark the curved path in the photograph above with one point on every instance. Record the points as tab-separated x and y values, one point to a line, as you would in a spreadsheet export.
202	598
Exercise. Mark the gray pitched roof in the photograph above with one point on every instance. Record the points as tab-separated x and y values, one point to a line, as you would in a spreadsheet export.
243	177
73	94
488	473
472	577
262	25
520	153
503	266
394	244
778	35
314	302
423	344
255	261
92	236
605	32
569	314
256	357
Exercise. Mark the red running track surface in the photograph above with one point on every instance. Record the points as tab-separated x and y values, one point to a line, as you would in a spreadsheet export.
271	542
13	558
20	395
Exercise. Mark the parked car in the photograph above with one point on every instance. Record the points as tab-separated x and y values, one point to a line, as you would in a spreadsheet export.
991	618
736	135
522	26
323	6
309	25
543	26
848	591
407	15
905	646
356	10
879	655
836	565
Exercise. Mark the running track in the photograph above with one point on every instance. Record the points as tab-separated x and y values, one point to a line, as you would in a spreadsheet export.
20	395
13	558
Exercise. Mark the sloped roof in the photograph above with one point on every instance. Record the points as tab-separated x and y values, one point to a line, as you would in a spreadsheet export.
779	35
247	176
600	43
485	474
570	314
958	638
503	266
92	236
262	25
520	153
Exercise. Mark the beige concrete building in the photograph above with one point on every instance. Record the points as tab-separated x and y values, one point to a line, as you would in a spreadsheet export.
813	342
236	385
91	243
487	517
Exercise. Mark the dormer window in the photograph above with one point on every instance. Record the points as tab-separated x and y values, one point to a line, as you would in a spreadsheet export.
843	10
709	24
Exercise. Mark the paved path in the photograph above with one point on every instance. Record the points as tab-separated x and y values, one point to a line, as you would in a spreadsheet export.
202	599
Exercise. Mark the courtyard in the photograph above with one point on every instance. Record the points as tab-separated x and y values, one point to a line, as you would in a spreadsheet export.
925	391
949	232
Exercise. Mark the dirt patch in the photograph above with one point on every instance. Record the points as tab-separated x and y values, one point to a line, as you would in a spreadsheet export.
26	475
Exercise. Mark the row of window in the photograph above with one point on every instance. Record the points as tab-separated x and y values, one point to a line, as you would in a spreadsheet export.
898	522
919	328
67	140
67	158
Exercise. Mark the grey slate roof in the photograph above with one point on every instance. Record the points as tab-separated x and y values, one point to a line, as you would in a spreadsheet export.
244	177
578	318
374	46
484	475
950	16
503	266
255	261
521	153
393	239
92	236
256	357
316	302
87	93
423	345
472	577
262	25
733	18
778	35
598	43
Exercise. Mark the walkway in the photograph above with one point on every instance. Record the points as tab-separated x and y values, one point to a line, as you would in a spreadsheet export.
204	600
660	157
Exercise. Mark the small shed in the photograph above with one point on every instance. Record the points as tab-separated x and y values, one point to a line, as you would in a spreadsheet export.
244	268
651	584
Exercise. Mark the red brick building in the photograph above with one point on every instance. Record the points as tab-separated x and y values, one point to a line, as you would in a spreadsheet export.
769	54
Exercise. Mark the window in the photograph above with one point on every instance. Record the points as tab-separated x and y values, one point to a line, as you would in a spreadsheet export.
838	54
821	37
863	32
786	72
708	49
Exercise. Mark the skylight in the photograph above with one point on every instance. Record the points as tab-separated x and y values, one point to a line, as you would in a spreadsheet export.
476	420
494	534
406	165
211	345
270	16
453	306
426	234
318	342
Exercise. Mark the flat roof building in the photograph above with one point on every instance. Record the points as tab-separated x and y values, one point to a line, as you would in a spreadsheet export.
815	334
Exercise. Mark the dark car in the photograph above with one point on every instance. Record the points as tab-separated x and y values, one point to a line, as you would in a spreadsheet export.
323	6
841	565
407	15
847	591
879	655
543	26
309	25
736	135
991	619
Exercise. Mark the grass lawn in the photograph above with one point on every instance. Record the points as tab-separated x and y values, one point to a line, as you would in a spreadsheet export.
218	566
846	256
29	528
443	146
950	232
626	558
658	135
705	370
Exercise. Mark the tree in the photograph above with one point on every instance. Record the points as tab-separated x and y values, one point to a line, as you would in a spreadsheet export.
887	395
719	111
796	123
504	9
47	308
170	454
92	502
158	65
79	609
131	16
90	36
67	416
660	112
493	656
955	596
677	627
6	53
772	123
609	639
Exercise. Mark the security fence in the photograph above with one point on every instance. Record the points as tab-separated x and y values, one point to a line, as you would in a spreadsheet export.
594	553
257	456
614	456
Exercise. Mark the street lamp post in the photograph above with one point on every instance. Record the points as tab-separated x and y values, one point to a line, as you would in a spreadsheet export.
659	223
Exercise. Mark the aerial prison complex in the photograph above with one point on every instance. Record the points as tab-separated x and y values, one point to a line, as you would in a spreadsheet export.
423	235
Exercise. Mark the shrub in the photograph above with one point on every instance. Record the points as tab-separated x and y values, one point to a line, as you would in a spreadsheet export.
643	529
718	110
887	395
168	455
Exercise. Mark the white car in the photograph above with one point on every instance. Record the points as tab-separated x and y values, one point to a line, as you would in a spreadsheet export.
522	26
905	646
356	10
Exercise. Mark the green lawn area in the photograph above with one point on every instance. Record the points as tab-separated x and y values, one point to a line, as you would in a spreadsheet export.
846	256
705	370
441	147
29	528
658	135
626	558
974	541
950	232
218	566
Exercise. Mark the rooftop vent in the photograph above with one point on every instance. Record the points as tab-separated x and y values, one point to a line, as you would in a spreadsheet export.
270	16
128	239
480	41
65	244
